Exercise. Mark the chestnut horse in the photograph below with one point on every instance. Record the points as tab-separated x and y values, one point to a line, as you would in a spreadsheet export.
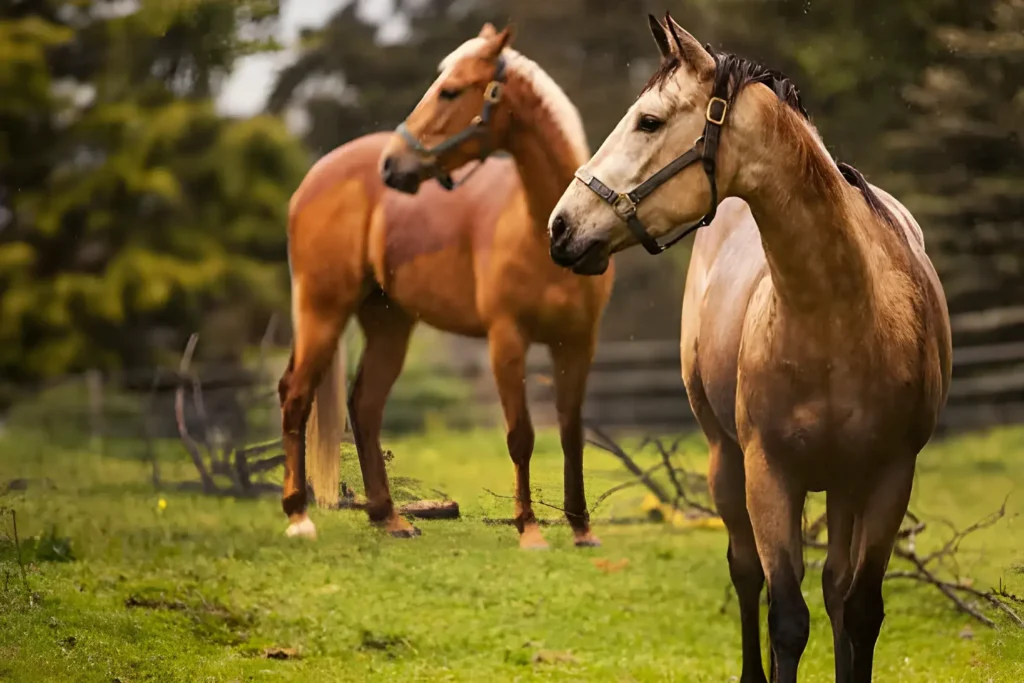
815	336
473	262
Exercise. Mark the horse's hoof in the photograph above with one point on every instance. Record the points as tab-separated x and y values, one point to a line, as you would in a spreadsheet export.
588	541
531	539
411	532
301	528
543	545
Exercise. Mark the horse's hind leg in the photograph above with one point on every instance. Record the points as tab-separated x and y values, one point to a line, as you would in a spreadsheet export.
877	523
508	361
571	366
775	504
316	336
387	329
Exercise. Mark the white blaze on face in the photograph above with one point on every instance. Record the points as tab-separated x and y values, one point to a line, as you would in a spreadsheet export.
625	159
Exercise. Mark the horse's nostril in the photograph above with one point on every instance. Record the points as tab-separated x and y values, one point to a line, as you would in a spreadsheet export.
558	227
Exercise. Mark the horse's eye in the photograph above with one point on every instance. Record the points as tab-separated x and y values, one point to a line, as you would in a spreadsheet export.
449	93
648	123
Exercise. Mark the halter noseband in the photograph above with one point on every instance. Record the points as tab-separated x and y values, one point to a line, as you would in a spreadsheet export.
477	127
625	203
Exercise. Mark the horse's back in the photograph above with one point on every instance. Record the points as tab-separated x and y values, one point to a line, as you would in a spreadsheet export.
726	265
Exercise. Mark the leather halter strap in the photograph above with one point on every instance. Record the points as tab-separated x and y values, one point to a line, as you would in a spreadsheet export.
477	127
705	150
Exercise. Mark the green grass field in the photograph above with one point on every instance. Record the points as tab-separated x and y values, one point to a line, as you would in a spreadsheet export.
199	589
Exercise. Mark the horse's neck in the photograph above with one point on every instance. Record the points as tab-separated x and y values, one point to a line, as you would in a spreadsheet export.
544	157
813	233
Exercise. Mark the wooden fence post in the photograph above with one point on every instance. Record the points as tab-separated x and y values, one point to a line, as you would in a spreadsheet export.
94	387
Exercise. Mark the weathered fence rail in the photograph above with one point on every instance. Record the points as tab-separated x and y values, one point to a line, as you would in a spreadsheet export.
638	385
633	385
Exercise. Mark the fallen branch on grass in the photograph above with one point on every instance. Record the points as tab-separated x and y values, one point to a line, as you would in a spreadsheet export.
684	506
420	509
923	568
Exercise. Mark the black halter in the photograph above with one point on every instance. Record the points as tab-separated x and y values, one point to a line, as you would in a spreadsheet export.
477	127
625	203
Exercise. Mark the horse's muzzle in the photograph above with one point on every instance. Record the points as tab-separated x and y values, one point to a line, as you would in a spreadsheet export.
581	257
398	178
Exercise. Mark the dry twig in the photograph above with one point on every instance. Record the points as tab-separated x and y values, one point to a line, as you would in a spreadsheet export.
923	568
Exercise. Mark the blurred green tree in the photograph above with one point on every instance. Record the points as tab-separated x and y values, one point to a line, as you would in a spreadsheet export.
129	208
852	60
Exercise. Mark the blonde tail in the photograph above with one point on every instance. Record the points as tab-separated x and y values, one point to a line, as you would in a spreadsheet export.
327	422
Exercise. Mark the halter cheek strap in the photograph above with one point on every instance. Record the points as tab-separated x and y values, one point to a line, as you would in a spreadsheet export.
705	150
477	127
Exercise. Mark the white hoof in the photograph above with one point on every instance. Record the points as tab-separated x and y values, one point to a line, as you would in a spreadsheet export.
303	528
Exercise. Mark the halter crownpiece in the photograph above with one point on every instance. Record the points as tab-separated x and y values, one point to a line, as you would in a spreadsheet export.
705	149
478	126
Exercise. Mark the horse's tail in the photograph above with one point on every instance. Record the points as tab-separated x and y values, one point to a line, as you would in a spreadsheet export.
324	429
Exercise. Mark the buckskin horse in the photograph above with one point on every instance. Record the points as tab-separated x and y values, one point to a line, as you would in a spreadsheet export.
473	261
815	335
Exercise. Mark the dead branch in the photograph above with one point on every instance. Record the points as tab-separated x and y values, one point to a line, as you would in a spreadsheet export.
619	487
258	448
191	445
538	502
266	464
681	493
606	443
923	568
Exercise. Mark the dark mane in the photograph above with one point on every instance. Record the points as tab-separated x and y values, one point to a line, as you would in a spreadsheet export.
739	73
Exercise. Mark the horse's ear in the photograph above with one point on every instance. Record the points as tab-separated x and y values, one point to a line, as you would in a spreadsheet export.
488	31
499	42
660	33
689	49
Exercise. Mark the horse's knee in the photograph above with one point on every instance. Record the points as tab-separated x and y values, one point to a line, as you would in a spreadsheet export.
745	571
863	613
520	440
833	587
789	623
296	403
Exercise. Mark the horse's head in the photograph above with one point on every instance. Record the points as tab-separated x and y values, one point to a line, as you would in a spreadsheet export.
672	136
458	120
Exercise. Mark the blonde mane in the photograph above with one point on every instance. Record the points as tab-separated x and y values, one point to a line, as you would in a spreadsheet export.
556	103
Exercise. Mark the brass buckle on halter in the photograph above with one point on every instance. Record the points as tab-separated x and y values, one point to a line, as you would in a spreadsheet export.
710	117
623	205
492	93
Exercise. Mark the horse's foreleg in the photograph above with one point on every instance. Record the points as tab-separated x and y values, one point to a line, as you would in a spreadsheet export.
387	329
726	481
876	525
836	576
508	347
571	366
775	505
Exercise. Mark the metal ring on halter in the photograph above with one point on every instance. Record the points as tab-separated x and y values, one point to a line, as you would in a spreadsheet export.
625	204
